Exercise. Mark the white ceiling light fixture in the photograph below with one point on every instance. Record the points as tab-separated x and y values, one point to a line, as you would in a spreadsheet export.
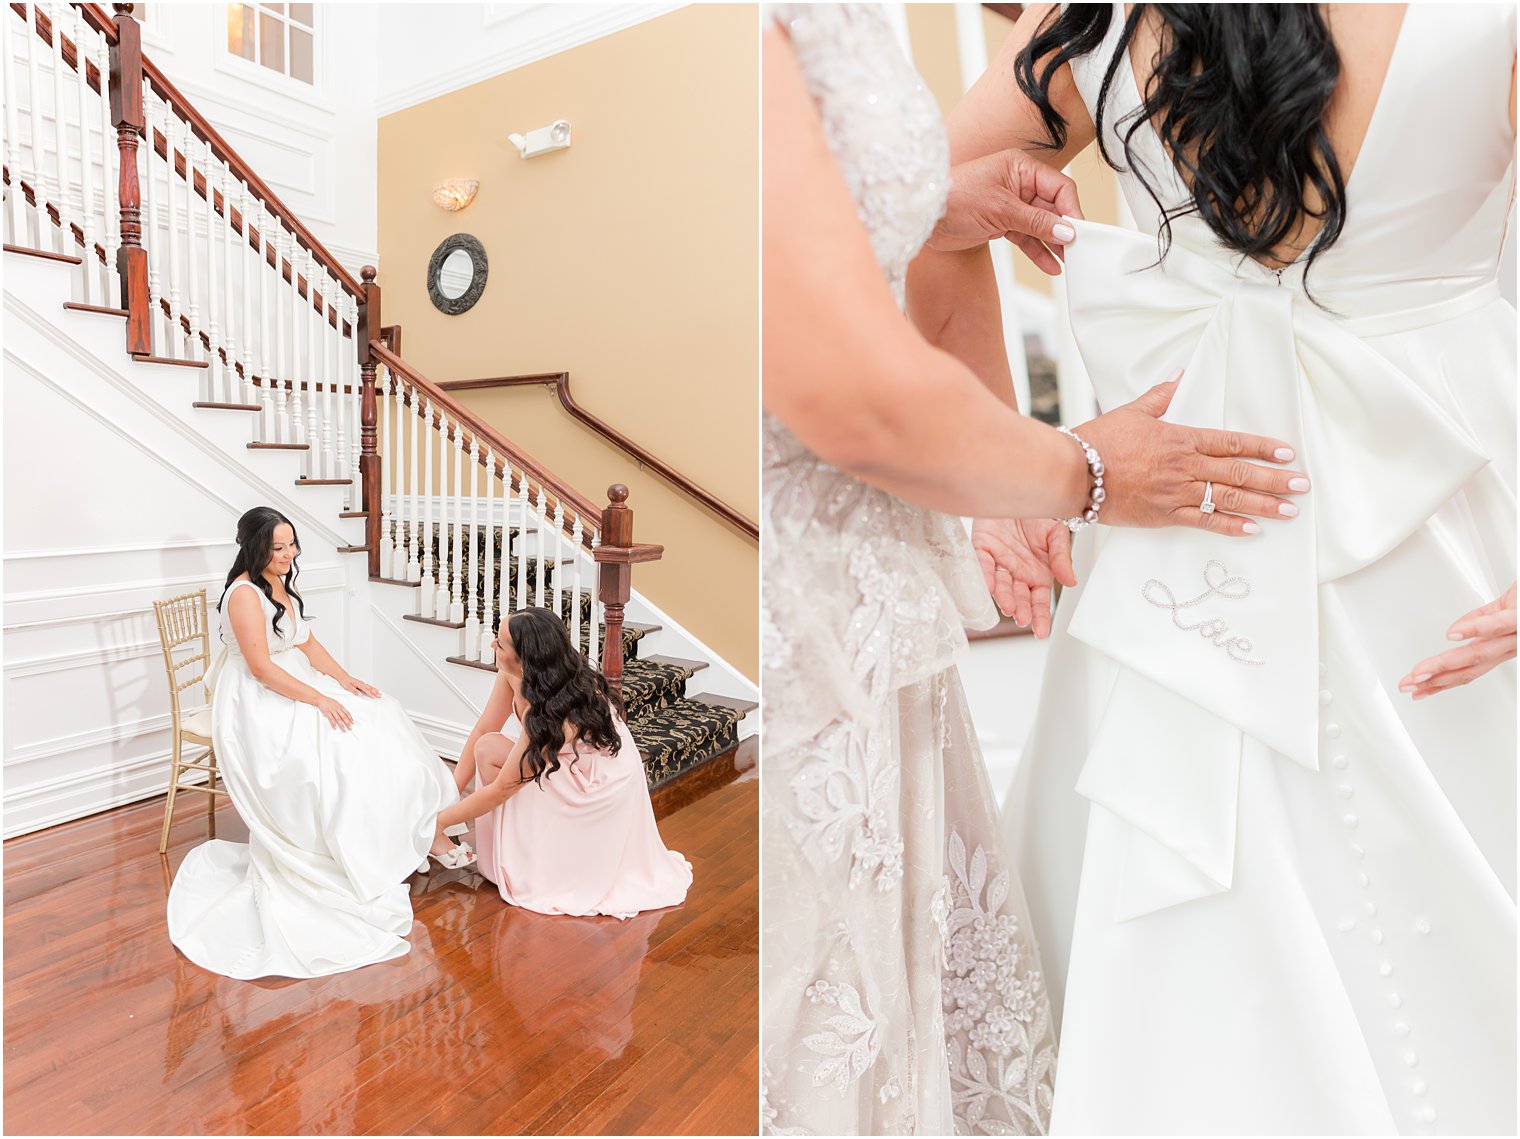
556	136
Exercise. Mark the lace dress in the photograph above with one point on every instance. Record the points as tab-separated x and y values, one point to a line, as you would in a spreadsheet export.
902	993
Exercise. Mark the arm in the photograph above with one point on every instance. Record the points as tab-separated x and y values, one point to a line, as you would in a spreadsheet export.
248	627
848	375
952	295
485	799
498	706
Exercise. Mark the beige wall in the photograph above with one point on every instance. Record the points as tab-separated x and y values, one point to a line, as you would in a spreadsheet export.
630	261
931	27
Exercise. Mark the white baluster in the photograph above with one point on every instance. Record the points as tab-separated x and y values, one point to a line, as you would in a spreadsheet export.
322	348
267	379
248	331
226	329
559	553
355	409
594	642
192	291
543	547
398	478
487	624
62	180
456	590
15	215
414	489
110	163
427	598
472	557
525	517
86	160
577	535
442	562
172	276
298	375
150	213
215	383
313	369
38	147
342	354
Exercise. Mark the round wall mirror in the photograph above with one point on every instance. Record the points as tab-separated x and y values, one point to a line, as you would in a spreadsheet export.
457	274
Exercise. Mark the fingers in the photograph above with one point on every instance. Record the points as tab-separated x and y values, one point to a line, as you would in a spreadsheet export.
1239	445
1491	625
1219	522
339	717
1005	593
1233	500
1058	555
1251	476
1039	602
1457	666
1042	180
1155	402
1041	257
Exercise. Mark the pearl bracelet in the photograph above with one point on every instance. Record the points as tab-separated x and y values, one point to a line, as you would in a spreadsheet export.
1088	517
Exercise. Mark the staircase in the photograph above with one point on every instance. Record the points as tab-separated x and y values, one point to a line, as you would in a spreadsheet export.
147	261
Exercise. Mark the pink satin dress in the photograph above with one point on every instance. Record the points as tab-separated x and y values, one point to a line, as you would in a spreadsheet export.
583	840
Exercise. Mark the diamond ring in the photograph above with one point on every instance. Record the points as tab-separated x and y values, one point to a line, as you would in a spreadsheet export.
1207	506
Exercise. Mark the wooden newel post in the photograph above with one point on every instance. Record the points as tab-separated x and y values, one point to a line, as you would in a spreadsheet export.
616	556
127	116
369	456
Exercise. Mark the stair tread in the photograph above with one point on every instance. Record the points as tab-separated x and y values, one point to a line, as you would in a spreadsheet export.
488	667
394	581
171	361
681	662
324	482
44	254
227	406
102	310
431	620
732	703
353	549
279	446
354	514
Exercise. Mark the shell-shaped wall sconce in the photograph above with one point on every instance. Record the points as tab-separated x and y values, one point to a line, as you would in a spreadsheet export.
454	194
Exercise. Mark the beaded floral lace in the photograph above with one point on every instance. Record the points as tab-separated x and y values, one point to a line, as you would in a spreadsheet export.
902	993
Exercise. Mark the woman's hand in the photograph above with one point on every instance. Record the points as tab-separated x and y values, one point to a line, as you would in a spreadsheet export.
337	715
1489	632
358	687
1155	471
1020	558
1008	194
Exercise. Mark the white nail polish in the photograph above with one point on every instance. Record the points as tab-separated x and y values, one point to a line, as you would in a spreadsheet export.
1251	528
1298	484
1283	454
1287	510
1064	233
1453	636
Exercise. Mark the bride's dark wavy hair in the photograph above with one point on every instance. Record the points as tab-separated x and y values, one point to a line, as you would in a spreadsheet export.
1238	97
560	687
255	537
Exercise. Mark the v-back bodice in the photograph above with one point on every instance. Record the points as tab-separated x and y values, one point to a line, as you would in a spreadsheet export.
1430	189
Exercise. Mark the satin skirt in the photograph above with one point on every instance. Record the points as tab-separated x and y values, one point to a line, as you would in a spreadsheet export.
336	821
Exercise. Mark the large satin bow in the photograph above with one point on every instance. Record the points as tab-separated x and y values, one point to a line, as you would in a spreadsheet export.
1218	637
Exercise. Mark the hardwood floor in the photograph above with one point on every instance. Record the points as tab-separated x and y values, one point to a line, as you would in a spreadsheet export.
499	1021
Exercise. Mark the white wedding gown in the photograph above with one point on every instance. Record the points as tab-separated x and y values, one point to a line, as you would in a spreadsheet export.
901	990
336	821
1276	893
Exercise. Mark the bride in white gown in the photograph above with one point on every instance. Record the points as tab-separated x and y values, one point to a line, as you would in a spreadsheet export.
902	992
340	792
1277	893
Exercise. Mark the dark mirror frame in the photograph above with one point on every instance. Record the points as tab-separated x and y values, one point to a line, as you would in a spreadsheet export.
453	306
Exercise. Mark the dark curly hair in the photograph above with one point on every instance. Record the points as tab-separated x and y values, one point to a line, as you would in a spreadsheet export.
255	537
560	687
1238	97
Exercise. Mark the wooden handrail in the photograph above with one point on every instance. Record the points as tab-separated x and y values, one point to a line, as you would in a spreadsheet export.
560	381
224	151
485	432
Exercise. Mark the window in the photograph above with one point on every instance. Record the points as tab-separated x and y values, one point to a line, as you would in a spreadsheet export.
276	36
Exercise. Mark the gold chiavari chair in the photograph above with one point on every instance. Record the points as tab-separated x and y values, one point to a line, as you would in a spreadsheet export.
182	625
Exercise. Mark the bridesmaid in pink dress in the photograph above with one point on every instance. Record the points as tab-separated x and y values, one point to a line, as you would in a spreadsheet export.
563	819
